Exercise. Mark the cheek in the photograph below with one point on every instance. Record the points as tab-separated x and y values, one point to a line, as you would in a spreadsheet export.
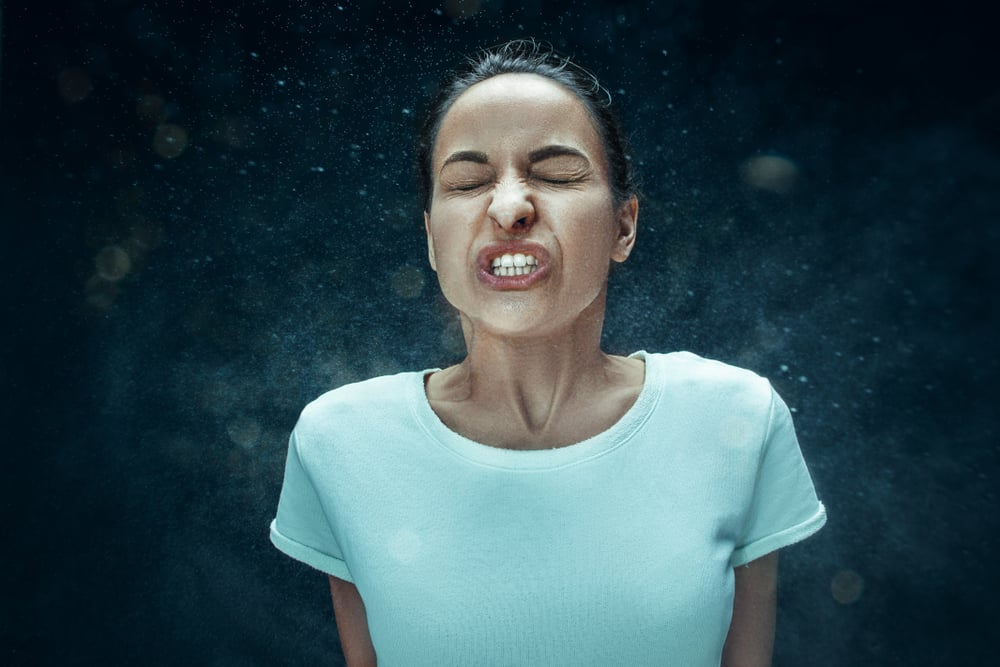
448	255
594	231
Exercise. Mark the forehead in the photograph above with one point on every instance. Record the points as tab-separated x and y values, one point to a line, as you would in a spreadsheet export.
509	111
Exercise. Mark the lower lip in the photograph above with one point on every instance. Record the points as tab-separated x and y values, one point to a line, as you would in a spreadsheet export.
512	282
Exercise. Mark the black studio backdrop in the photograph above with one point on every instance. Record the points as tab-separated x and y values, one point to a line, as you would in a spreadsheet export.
209	218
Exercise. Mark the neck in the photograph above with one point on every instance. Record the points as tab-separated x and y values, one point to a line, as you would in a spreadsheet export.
532	378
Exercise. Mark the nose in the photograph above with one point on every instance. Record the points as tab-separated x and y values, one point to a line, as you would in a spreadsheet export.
511	208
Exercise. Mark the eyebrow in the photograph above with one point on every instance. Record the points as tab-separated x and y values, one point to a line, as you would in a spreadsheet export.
466	156
554	150
544	153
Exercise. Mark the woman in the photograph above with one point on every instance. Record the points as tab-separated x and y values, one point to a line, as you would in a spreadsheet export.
542	502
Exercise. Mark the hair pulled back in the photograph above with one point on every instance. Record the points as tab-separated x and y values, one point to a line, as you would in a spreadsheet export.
527	56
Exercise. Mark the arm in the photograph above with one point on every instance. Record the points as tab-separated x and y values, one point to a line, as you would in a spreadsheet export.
751	634
352	624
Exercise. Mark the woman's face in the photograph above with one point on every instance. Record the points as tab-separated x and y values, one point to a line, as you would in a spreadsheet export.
520	179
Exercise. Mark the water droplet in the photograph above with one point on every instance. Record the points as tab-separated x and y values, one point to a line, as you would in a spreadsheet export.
112	263
74	84
170	140
408	282
847	586
770	172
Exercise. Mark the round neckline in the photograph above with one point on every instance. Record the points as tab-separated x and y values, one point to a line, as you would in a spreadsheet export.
540	459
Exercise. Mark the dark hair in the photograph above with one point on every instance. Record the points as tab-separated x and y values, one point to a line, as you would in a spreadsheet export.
527	56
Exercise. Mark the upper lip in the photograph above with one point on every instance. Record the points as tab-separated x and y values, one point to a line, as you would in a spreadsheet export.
488	253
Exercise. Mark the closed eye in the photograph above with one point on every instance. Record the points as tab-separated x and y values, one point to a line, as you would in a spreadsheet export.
466	172
466	187
559	166
559	180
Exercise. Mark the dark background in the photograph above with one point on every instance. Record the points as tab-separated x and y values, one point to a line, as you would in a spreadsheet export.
209	218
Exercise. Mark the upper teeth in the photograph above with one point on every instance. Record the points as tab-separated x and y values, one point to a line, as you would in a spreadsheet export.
517	264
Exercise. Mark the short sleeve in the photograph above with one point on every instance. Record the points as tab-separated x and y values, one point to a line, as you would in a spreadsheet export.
301	528
784	508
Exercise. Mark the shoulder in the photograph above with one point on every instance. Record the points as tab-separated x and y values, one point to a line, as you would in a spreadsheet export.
359	404
713	381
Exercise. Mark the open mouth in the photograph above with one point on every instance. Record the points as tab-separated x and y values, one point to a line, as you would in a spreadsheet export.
517	264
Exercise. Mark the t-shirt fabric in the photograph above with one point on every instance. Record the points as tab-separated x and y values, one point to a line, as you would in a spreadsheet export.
617	550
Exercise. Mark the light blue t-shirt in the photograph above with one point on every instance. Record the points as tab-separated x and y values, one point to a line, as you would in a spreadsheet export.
618	550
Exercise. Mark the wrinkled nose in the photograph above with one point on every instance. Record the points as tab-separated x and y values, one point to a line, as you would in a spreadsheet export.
511	208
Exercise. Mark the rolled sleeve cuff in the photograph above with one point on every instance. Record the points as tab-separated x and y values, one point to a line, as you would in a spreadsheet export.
306	554
775	541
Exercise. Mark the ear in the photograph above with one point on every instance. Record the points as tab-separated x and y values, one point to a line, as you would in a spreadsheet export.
628	216
430	241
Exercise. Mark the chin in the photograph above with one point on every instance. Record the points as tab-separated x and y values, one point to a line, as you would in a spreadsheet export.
517	323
